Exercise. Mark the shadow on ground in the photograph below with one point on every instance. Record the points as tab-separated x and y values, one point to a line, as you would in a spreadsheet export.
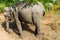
13	26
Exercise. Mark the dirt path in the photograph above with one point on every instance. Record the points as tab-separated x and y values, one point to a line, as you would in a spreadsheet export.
50	30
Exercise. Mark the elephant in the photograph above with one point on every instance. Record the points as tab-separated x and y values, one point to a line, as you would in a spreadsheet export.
25	13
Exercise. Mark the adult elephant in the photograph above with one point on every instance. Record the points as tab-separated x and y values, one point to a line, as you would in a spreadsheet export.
27	14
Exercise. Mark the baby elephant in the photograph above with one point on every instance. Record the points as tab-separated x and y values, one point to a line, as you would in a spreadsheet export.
27	14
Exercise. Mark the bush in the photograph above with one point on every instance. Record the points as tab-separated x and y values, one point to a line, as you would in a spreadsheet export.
4	3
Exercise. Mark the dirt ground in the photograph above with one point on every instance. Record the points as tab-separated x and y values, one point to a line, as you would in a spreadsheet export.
50	30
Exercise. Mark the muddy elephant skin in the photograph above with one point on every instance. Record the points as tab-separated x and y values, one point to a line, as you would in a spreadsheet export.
25	13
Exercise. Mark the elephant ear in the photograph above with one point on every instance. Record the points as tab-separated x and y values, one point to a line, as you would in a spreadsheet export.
20	6
13	8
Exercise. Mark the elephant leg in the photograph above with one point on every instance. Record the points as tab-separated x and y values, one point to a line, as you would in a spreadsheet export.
18	24
7	24
36	20
37	30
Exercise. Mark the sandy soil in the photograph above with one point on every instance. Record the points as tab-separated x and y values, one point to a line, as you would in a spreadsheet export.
50	30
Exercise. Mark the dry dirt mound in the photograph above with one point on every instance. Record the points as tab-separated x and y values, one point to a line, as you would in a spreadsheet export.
50	30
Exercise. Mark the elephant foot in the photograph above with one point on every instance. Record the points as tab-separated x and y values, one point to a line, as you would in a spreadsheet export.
8	30
39	37
22	37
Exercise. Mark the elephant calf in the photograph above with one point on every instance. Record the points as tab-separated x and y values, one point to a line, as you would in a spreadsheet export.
25	13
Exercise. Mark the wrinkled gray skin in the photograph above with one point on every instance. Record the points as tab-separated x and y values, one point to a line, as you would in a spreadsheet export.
27	14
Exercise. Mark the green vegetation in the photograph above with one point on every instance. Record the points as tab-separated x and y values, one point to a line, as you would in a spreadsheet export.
4	3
